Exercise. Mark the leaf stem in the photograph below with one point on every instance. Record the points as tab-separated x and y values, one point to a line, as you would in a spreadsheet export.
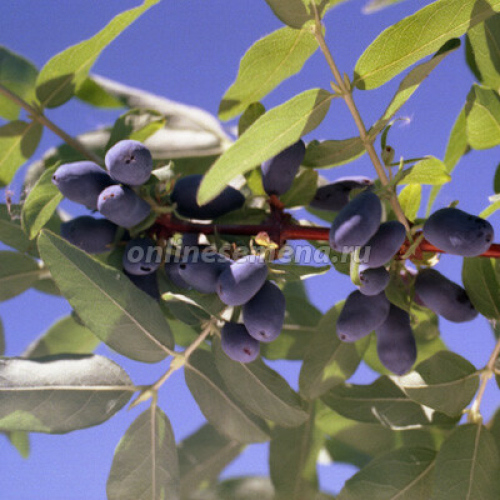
346	94
43	120
487	373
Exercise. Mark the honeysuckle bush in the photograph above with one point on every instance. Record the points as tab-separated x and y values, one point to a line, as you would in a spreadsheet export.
416	436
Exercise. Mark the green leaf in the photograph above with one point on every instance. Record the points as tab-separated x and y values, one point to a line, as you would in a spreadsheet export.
418	36
59	394
409	198
203	456
136	124
481	282
262	390
292	460
483	117
145	464
266	64
429	171
328	361
241	488
18	142
467	466
41	203
485	44
445	382
220	409
296	272
376	5
291	12
20	441
326	154
17	273
253	112
92	93
62	75
457	146
269	135
134	325
303	189
66	336
381	402
11	232
411	82
404	474
18	75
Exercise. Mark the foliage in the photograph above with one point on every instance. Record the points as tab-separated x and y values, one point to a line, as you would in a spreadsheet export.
404	433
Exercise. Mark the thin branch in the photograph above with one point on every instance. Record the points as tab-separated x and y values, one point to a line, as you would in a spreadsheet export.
488	372
168	225
363	134
43	120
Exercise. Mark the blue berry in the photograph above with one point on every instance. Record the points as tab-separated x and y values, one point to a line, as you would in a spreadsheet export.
237	343
89	234
141	256
129	162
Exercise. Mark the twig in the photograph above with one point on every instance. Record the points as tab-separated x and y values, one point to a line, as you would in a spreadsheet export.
363	134
42	119
487	373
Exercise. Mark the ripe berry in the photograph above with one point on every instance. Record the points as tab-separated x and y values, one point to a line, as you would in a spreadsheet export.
237	343
279	172
89	234
129	162
82	182
141	257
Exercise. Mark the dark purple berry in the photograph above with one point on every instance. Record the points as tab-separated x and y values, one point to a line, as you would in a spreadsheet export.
141	256
238	344
356	223
373	281
242	280
264	313
129	162
89	234
184	195
458	233
335	196
147	283
384	244
443	296
82	182
396	346
361	315
202	270
279	172
122	206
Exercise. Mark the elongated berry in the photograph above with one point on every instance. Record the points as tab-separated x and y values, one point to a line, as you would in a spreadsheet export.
184	195
242	280
141	256
82	182
383	245
458	233
396	346
238	344
264	313
89	234
122	206
147	283
443	296
361	315
202	271
356	223
335	196
279	172
129	162
373	281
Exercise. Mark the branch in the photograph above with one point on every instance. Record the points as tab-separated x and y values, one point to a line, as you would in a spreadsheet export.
279	232
363	134
486	375
43	120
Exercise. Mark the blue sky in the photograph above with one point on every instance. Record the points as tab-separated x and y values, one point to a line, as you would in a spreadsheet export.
189	50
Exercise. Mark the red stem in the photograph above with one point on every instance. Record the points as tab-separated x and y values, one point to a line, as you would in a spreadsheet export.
278	230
